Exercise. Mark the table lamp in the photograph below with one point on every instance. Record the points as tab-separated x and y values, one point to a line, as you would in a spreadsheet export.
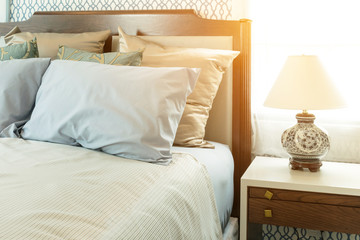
303	84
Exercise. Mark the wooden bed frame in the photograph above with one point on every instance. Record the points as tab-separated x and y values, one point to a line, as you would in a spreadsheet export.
172	23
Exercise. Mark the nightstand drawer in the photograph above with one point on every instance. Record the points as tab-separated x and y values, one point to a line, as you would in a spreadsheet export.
307	211
309	197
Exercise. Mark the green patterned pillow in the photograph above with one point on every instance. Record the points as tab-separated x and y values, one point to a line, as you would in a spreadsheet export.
113	58
19	51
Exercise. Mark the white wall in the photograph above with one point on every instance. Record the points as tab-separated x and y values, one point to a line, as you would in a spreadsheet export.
3	10
240	9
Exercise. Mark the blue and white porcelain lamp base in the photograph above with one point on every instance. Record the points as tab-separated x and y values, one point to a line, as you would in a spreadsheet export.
305	143
304	84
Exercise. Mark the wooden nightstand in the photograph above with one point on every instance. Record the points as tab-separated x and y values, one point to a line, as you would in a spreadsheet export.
272	193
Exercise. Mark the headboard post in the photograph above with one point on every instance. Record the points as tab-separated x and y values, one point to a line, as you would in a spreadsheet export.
241	137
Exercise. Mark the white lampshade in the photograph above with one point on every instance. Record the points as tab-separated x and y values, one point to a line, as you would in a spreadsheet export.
303	84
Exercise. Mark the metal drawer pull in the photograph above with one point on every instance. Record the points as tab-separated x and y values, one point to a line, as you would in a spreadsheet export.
267	213
268	195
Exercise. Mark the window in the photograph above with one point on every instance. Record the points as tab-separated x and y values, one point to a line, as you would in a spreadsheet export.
326	28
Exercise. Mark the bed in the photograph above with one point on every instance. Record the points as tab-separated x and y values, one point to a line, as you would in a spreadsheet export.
84	198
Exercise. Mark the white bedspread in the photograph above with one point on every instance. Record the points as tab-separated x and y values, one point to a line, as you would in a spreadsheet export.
52	191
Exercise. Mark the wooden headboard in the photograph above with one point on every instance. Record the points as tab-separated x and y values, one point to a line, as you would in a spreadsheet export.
171	23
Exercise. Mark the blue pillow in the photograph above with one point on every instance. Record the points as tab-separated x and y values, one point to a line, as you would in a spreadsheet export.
19	83
24	50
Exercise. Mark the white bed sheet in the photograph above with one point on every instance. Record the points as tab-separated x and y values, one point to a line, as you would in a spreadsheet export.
220	165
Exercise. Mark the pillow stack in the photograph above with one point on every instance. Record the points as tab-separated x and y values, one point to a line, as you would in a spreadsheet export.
213	64
125	110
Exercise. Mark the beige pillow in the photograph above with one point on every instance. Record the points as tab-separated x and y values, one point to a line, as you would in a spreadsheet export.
213	64
48	43
11	32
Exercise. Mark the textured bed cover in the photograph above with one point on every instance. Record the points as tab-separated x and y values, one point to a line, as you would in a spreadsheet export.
220	165
53	191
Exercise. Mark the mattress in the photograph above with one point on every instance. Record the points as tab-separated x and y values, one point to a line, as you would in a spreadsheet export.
54	191
219	163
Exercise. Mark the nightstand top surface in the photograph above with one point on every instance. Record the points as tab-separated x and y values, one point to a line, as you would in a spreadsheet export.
333	177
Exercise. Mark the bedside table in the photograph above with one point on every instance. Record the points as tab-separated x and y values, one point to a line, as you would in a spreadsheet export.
272	193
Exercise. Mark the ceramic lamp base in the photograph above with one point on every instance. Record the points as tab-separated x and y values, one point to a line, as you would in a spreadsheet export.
305	143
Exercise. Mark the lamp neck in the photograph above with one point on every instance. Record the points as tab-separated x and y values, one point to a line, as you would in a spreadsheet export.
305	117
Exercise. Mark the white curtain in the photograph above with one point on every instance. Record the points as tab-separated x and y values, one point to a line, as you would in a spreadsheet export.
4	10
327	28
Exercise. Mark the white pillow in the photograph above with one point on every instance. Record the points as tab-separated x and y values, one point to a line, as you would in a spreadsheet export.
132	112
